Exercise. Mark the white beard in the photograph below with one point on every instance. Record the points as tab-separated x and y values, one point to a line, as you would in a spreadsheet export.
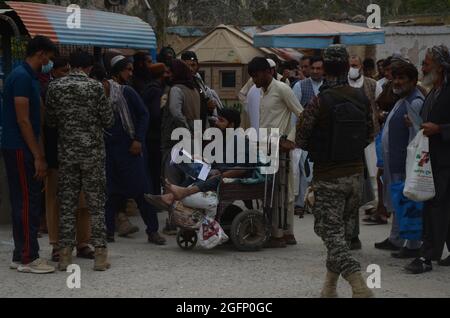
429	79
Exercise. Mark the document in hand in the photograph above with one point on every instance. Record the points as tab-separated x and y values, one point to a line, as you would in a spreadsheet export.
195	168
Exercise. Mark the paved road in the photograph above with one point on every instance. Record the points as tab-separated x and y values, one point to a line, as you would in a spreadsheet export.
143	270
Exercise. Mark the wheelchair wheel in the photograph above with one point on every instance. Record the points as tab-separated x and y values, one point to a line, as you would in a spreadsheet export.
187	240
249	231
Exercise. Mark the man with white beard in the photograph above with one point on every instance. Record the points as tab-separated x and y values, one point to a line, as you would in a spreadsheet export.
436	117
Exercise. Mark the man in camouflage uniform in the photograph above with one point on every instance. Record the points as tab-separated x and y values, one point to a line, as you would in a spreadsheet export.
78	107
338	167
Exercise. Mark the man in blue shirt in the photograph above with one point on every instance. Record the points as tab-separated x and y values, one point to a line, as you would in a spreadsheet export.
23	153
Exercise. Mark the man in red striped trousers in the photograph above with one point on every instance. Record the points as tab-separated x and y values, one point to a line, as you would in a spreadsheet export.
23	153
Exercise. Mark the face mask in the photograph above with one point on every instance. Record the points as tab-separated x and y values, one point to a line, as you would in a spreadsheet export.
47	68
354	74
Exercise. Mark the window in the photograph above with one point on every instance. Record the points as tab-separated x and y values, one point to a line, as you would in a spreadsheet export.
228	79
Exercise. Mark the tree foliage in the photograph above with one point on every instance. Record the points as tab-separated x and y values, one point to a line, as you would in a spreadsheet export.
162	13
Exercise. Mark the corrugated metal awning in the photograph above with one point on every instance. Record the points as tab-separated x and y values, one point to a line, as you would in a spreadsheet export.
98	28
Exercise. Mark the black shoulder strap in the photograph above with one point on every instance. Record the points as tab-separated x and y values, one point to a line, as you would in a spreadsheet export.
345	97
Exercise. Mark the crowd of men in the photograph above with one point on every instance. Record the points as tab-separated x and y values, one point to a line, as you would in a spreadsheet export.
87	137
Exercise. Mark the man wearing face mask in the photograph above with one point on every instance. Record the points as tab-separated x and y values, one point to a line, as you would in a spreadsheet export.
79	108
24	155
45	77
371	88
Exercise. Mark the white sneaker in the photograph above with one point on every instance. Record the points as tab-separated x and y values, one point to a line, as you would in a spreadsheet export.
14	265
39	266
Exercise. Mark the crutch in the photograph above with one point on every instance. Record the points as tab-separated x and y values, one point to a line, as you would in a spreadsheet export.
281	190
274	176
286	186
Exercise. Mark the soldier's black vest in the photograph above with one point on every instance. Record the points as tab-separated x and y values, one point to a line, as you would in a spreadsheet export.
341	133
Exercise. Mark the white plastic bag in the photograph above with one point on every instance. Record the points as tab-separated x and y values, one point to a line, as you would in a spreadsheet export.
419	184
204	201
211	234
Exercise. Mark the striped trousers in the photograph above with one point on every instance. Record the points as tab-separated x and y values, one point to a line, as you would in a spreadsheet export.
25	197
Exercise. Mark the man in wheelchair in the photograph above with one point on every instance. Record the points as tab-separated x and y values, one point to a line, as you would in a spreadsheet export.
187	182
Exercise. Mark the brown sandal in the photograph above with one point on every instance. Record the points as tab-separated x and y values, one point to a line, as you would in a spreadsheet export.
86	253
157	202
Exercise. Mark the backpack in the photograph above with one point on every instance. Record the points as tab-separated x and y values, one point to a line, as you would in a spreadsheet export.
349	129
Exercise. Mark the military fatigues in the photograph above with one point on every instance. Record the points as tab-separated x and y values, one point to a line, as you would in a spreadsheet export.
335	220
338	189
337	183
78	107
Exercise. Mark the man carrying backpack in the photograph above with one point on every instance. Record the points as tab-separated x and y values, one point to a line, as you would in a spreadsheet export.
335	129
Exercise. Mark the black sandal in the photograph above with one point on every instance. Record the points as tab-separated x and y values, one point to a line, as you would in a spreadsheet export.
419	266
371	212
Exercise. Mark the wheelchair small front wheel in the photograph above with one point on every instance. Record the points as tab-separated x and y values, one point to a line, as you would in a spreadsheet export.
187	240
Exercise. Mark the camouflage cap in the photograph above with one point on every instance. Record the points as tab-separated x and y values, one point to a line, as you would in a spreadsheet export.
336	53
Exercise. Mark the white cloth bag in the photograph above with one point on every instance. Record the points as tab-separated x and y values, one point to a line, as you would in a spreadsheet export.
419	184
204	201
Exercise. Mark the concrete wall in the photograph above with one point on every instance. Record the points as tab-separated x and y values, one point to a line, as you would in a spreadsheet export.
5	211
412	45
